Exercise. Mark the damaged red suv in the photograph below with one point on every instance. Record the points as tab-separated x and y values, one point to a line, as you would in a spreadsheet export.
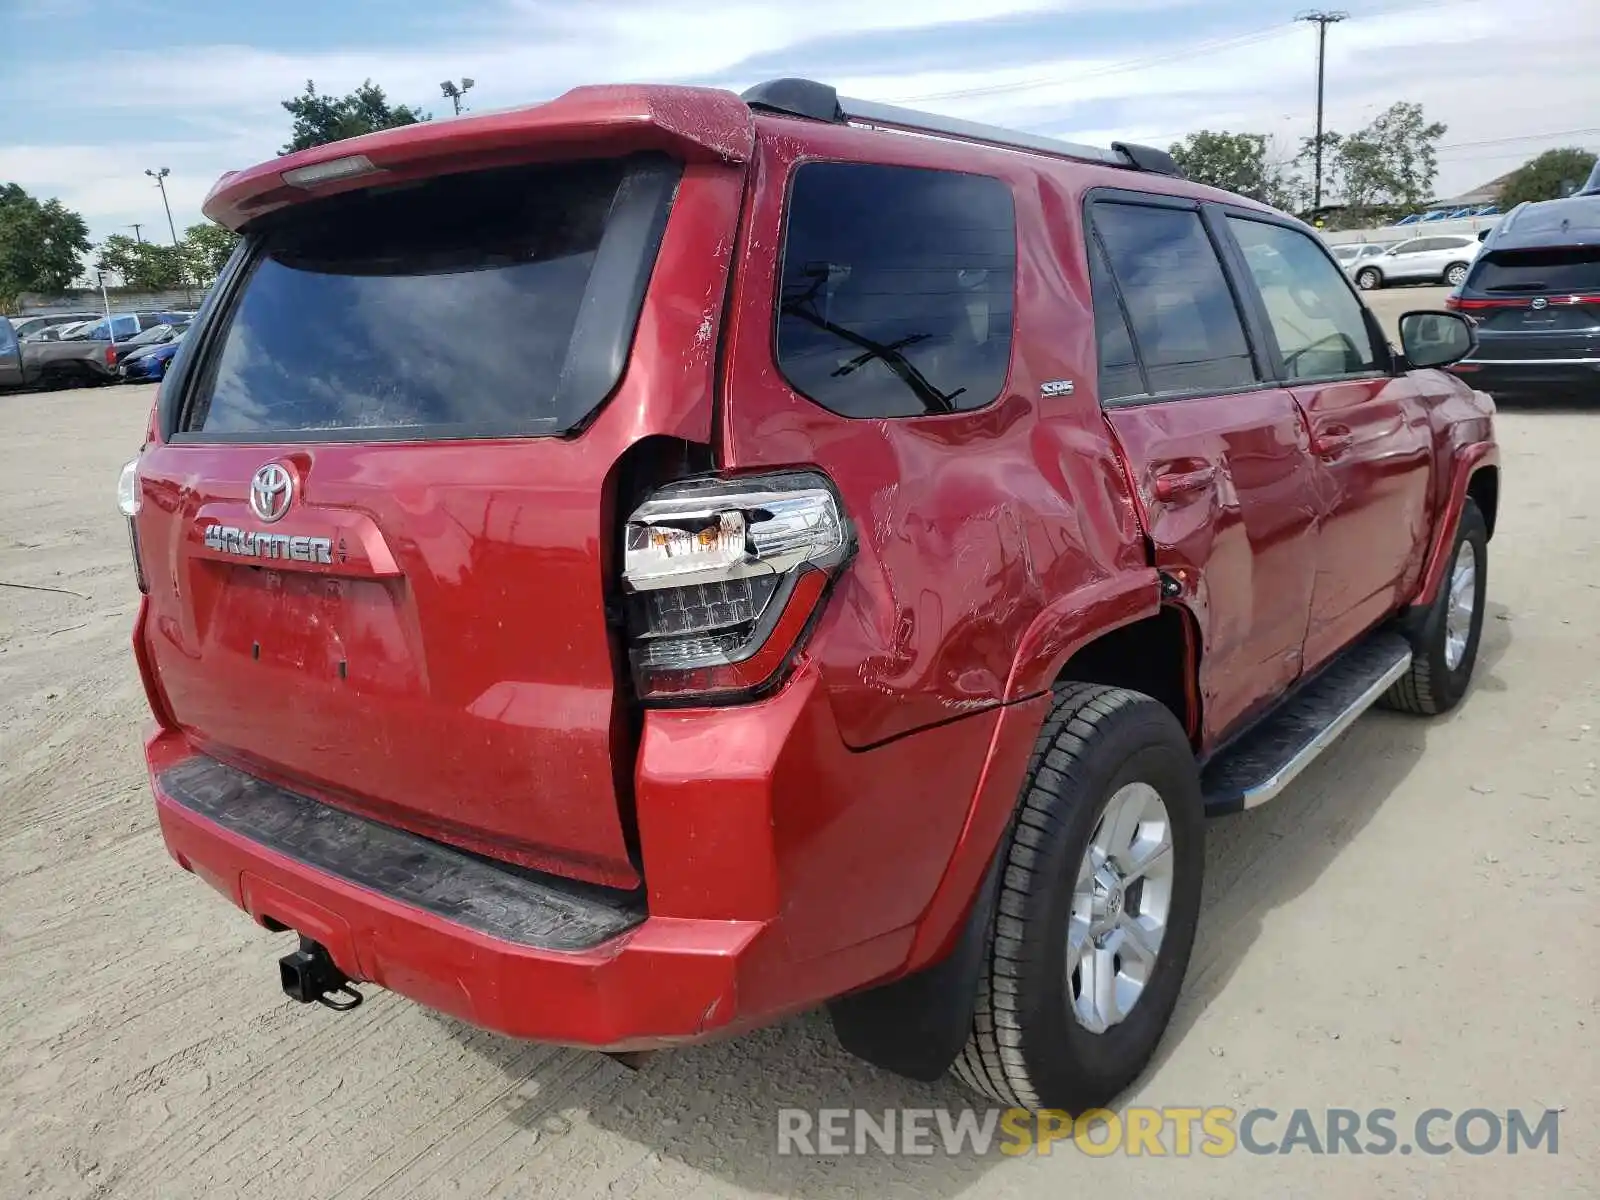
626	570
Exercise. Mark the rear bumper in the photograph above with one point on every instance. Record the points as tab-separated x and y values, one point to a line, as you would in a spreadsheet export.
1530	375
660	983
783	869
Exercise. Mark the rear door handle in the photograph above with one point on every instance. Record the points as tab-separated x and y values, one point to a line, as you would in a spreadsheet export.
1332	441
1182	483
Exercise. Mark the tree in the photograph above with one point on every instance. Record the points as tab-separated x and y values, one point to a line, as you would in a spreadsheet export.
206	248
1237	162
41	245
1393	161
319	120
1554	174
148	265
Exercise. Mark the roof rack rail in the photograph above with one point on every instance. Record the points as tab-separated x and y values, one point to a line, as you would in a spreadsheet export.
822	102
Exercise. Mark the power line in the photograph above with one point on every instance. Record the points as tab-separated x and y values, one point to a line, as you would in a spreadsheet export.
1522	137
1114	68
1136	64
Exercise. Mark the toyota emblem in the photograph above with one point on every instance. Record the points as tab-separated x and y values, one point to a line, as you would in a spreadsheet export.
271	490
1541	302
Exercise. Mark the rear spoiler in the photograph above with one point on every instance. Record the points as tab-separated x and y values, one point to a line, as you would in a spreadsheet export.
691	124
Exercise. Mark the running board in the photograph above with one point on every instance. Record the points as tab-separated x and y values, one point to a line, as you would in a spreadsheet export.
1257	767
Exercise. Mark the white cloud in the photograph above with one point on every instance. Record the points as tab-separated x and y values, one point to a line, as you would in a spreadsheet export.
1491	70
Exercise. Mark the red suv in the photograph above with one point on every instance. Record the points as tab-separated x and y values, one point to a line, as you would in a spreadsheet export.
626	570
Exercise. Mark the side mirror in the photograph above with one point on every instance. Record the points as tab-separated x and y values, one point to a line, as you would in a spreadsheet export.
1436	339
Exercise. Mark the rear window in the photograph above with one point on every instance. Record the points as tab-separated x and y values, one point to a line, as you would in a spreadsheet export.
485	304
1552	269
897	289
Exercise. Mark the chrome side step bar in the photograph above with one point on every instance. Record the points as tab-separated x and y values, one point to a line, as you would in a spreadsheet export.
1262	763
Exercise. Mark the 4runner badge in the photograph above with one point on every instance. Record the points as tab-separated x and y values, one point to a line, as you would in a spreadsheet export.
247	543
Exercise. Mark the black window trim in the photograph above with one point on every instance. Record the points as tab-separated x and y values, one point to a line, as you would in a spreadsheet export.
1264	367
795	168
598	349
1235	263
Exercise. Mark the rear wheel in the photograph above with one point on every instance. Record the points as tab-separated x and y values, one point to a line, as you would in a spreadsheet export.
54	379
1444	646
1369	279
1097	909
1456	274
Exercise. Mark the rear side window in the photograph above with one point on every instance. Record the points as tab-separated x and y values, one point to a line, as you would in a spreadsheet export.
484	304
1186	328
1554	269
896	291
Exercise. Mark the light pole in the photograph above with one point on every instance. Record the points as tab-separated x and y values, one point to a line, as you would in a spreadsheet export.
161	182
1322	20
136	226
455	91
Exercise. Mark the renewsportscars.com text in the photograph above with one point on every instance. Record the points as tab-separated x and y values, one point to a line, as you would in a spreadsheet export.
1159	1132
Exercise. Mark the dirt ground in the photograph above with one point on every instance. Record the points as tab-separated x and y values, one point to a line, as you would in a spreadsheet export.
1415	924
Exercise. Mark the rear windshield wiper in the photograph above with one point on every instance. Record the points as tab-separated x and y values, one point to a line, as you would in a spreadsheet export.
933	400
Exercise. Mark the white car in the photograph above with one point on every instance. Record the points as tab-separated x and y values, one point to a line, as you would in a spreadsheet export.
1442	259
1353	254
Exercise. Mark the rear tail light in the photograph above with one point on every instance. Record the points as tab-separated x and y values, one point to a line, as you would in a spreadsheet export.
1523	302
111	355
128	502
723	577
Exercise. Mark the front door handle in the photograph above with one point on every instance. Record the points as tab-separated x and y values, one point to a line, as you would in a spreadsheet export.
1332	441
1181	483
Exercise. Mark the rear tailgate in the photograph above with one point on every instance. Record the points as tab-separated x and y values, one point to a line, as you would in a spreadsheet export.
1535	304
380	528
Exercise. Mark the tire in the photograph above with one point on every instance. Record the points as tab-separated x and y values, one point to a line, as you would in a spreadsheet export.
1455	274
59	379
1029	1048
1434	684
1368	279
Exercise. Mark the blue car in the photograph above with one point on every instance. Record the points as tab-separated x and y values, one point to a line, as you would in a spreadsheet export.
149	365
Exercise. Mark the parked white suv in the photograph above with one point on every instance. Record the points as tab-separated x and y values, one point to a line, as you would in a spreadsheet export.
1442	259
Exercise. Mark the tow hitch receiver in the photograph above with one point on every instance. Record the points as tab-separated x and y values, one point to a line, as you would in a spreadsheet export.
311	974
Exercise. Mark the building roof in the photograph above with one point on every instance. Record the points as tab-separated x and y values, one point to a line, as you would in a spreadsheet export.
1484	193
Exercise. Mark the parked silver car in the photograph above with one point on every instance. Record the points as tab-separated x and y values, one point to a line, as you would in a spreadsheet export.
1442	259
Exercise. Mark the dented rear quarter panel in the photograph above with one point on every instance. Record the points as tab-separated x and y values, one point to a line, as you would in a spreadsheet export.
990	541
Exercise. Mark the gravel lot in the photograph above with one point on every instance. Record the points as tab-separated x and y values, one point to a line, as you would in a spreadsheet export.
1415	924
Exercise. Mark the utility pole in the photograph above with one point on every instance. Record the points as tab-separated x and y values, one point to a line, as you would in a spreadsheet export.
1322	20
136	226
454	93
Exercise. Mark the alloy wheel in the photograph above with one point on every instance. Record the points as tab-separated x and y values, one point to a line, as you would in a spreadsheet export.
1120	907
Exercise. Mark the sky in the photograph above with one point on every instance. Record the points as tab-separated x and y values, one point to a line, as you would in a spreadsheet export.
95	92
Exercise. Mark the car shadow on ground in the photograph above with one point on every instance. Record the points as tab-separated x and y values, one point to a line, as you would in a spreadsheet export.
1260	860
1559	405
714	1108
